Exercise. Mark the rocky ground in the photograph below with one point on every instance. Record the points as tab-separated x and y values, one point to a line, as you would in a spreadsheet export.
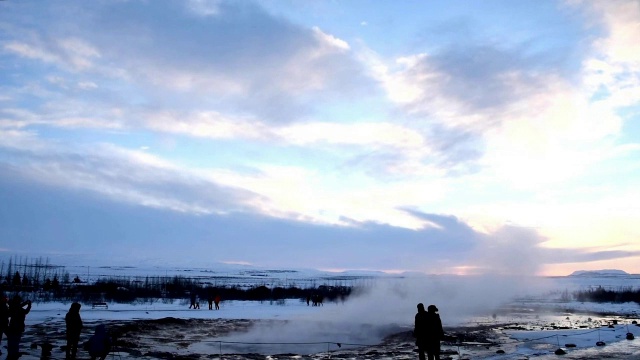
193	339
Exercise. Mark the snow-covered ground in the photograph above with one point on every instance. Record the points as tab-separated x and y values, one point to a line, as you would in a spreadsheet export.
537	341
256	310
533	334
533	326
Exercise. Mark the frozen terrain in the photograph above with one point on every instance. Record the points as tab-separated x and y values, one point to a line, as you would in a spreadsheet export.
485	318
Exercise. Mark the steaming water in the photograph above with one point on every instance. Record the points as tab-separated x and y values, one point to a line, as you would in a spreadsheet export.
304	337
386	308
390	305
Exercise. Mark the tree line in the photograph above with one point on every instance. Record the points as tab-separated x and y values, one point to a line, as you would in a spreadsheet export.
42	281
601	294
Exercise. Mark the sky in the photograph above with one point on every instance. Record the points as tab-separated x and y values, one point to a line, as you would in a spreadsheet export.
451	137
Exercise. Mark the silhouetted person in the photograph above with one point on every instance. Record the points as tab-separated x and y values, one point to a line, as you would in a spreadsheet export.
428	332
193	301
99	343
18	314
74	327
47	285
4	317
45	352
210	301
308	299
16	279
217	302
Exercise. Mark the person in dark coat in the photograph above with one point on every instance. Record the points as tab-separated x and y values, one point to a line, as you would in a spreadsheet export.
193	300
428	332
74	327
99	343
18	314
4	317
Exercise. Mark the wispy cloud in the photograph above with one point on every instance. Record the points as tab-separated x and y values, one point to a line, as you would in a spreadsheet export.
124	175
69	53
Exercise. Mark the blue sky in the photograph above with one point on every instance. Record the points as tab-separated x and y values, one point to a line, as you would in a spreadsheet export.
458	137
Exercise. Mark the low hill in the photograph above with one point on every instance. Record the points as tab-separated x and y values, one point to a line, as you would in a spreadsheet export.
605	272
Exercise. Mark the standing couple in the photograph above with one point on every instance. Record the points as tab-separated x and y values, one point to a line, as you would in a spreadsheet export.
428	332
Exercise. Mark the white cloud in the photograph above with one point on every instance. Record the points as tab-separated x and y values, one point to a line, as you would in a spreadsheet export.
400	88
596	221
309	195
29	51
614	67
363	134
552	132
86	122
288	192
330	40
208	124
204	7
123	175
547	132
19	139
622	21
79	53
215	125
71	53
87	85
64	115
557	142
57	80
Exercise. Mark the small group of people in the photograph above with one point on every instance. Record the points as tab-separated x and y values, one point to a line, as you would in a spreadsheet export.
13	314
428	332
315	299
12	317
195	304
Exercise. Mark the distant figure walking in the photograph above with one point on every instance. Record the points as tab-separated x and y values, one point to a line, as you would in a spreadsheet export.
4	317
18	314
74	327
428	332
308	299
217	302
193	300
99	343
210	301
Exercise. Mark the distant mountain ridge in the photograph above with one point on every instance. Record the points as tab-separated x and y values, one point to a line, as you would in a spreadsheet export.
604	272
